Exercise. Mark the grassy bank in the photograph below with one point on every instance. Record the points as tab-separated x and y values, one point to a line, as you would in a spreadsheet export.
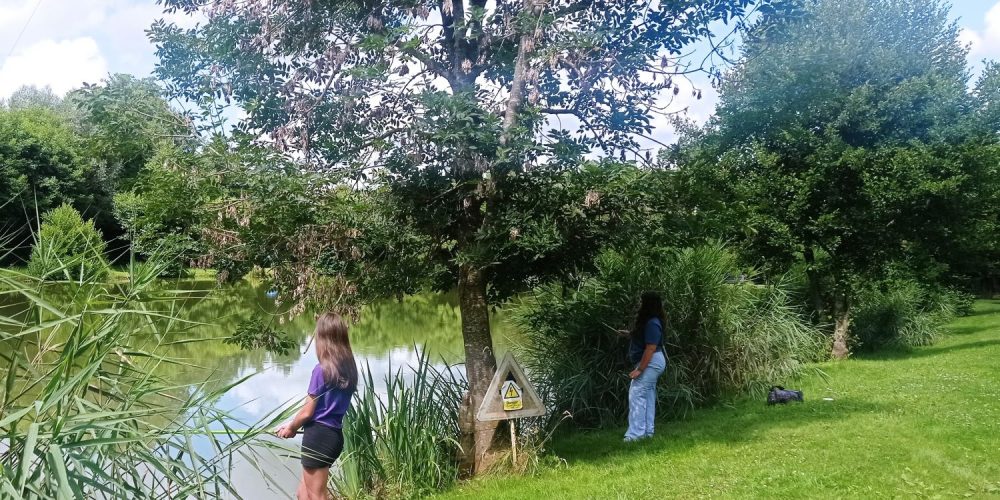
916	424
119	273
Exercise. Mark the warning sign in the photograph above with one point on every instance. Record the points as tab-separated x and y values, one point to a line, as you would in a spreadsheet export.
510	394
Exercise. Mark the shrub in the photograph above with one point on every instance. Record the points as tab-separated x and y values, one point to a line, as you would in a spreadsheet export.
731	335
403	444
903	313
724	337
68	248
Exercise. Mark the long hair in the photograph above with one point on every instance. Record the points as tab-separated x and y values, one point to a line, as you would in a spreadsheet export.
333	348
650	306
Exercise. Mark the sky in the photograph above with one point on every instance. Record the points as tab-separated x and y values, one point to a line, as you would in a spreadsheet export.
67	42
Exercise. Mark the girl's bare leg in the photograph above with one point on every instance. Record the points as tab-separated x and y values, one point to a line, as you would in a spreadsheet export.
315	481
302	493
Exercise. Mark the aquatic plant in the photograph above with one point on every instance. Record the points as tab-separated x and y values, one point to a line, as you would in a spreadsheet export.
85	414
403	443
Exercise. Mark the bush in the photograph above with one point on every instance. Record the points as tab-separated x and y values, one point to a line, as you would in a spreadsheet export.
725	337
733	336
903	313
403	444
68	248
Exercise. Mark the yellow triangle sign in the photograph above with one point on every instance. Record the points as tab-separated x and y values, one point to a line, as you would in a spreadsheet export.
510	394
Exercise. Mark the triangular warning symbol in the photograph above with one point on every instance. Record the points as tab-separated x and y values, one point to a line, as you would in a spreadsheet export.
512	392
492	407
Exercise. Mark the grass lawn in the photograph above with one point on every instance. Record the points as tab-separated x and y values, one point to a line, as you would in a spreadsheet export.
919	424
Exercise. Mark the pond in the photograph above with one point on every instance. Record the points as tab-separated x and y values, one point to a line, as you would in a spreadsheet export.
387	336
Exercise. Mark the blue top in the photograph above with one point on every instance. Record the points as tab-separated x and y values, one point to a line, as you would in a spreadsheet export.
332	402
651	334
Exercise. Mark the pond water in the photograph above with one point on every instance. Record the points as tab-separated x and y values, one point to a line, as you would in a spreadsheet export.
387	336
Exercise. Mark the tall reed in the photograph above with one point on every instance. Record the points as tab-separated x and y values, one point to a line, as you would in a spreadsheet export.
84	413
403	443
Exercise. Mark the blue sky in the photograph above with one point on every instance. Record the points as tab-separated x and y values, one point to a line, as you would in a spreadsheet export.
68	42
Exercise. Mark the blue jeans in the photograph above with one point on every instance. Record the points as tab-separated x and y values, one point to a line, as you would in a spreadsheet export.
642	399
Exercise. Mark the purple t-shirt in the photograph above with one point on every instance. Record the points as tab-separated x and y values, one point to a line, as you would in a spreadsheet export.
332	402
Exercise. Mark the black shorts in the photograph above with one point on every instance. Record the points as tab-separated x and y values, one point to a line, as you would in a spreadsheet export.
321	445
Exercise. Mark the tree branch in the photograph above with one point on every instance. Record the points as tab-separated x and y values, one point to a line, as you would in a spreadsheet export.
429	62
518	85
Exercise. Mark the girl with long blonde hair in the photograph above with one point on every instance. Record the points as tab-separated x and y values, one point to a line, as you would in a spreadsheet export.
333	382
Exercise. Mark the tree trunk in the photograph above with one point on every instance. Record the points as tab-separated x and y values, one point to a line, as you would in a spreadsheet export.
480	365
815	291
841	326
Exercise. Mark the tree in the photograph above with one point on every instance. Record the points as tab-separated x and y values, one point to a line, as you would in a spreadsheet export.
126	120
40	166
30	96
123	123
841	139
987	94
162	215
448	107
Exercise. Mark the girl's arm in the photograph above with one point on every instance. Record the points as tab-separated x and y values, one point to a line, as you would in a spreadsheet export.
308	408
647	355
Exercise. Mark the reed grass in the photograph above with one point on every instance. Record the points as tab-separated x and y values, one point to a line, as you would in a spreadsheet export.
903	313
403	443
84	413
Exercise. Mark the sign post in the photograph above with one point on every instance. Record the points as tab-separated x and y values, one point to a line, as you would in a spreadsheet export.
510	396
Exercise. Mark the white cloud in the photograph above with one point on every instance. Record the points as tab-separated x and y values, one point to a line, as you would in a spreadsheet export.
62	65
985	43
115	29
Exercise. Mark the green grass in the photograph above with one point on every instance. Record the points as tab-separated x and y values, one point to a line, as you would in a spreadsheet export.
925	423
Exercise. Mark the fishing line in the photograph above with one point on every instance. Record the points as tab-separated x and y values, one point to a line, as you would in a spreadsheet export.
23	28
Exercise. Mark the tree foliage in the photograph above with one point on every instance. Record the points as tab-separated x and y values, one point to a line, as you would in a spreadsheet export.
126	120
846	137
445	106
41	166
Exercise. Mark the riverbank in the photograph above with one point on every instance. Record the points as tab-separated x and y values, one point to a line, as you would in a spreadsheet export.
120	273
914	424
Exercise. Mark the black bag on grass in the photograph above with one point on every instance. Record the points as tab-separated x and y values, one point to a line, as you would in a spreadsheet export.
780	395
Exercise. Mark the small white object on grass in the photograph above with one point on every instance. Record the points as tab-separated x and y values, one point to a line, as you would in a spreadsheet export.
827	399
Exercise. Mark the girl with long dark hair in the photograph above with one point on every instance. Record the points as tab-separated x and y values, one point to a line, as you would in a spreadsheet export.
649	359
333	382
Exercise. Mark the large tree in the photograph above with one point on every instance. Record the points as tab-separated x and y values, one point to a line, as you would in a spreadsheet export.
451	108
41	167
844	138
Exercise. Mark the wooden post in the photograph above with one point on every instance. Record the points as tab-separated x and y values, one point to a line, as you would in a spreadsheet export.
513	442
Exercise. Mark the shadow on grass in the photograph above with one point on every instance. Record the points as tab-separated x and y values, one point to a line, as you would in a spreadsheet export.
902	354
746	421
970	329
985	308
